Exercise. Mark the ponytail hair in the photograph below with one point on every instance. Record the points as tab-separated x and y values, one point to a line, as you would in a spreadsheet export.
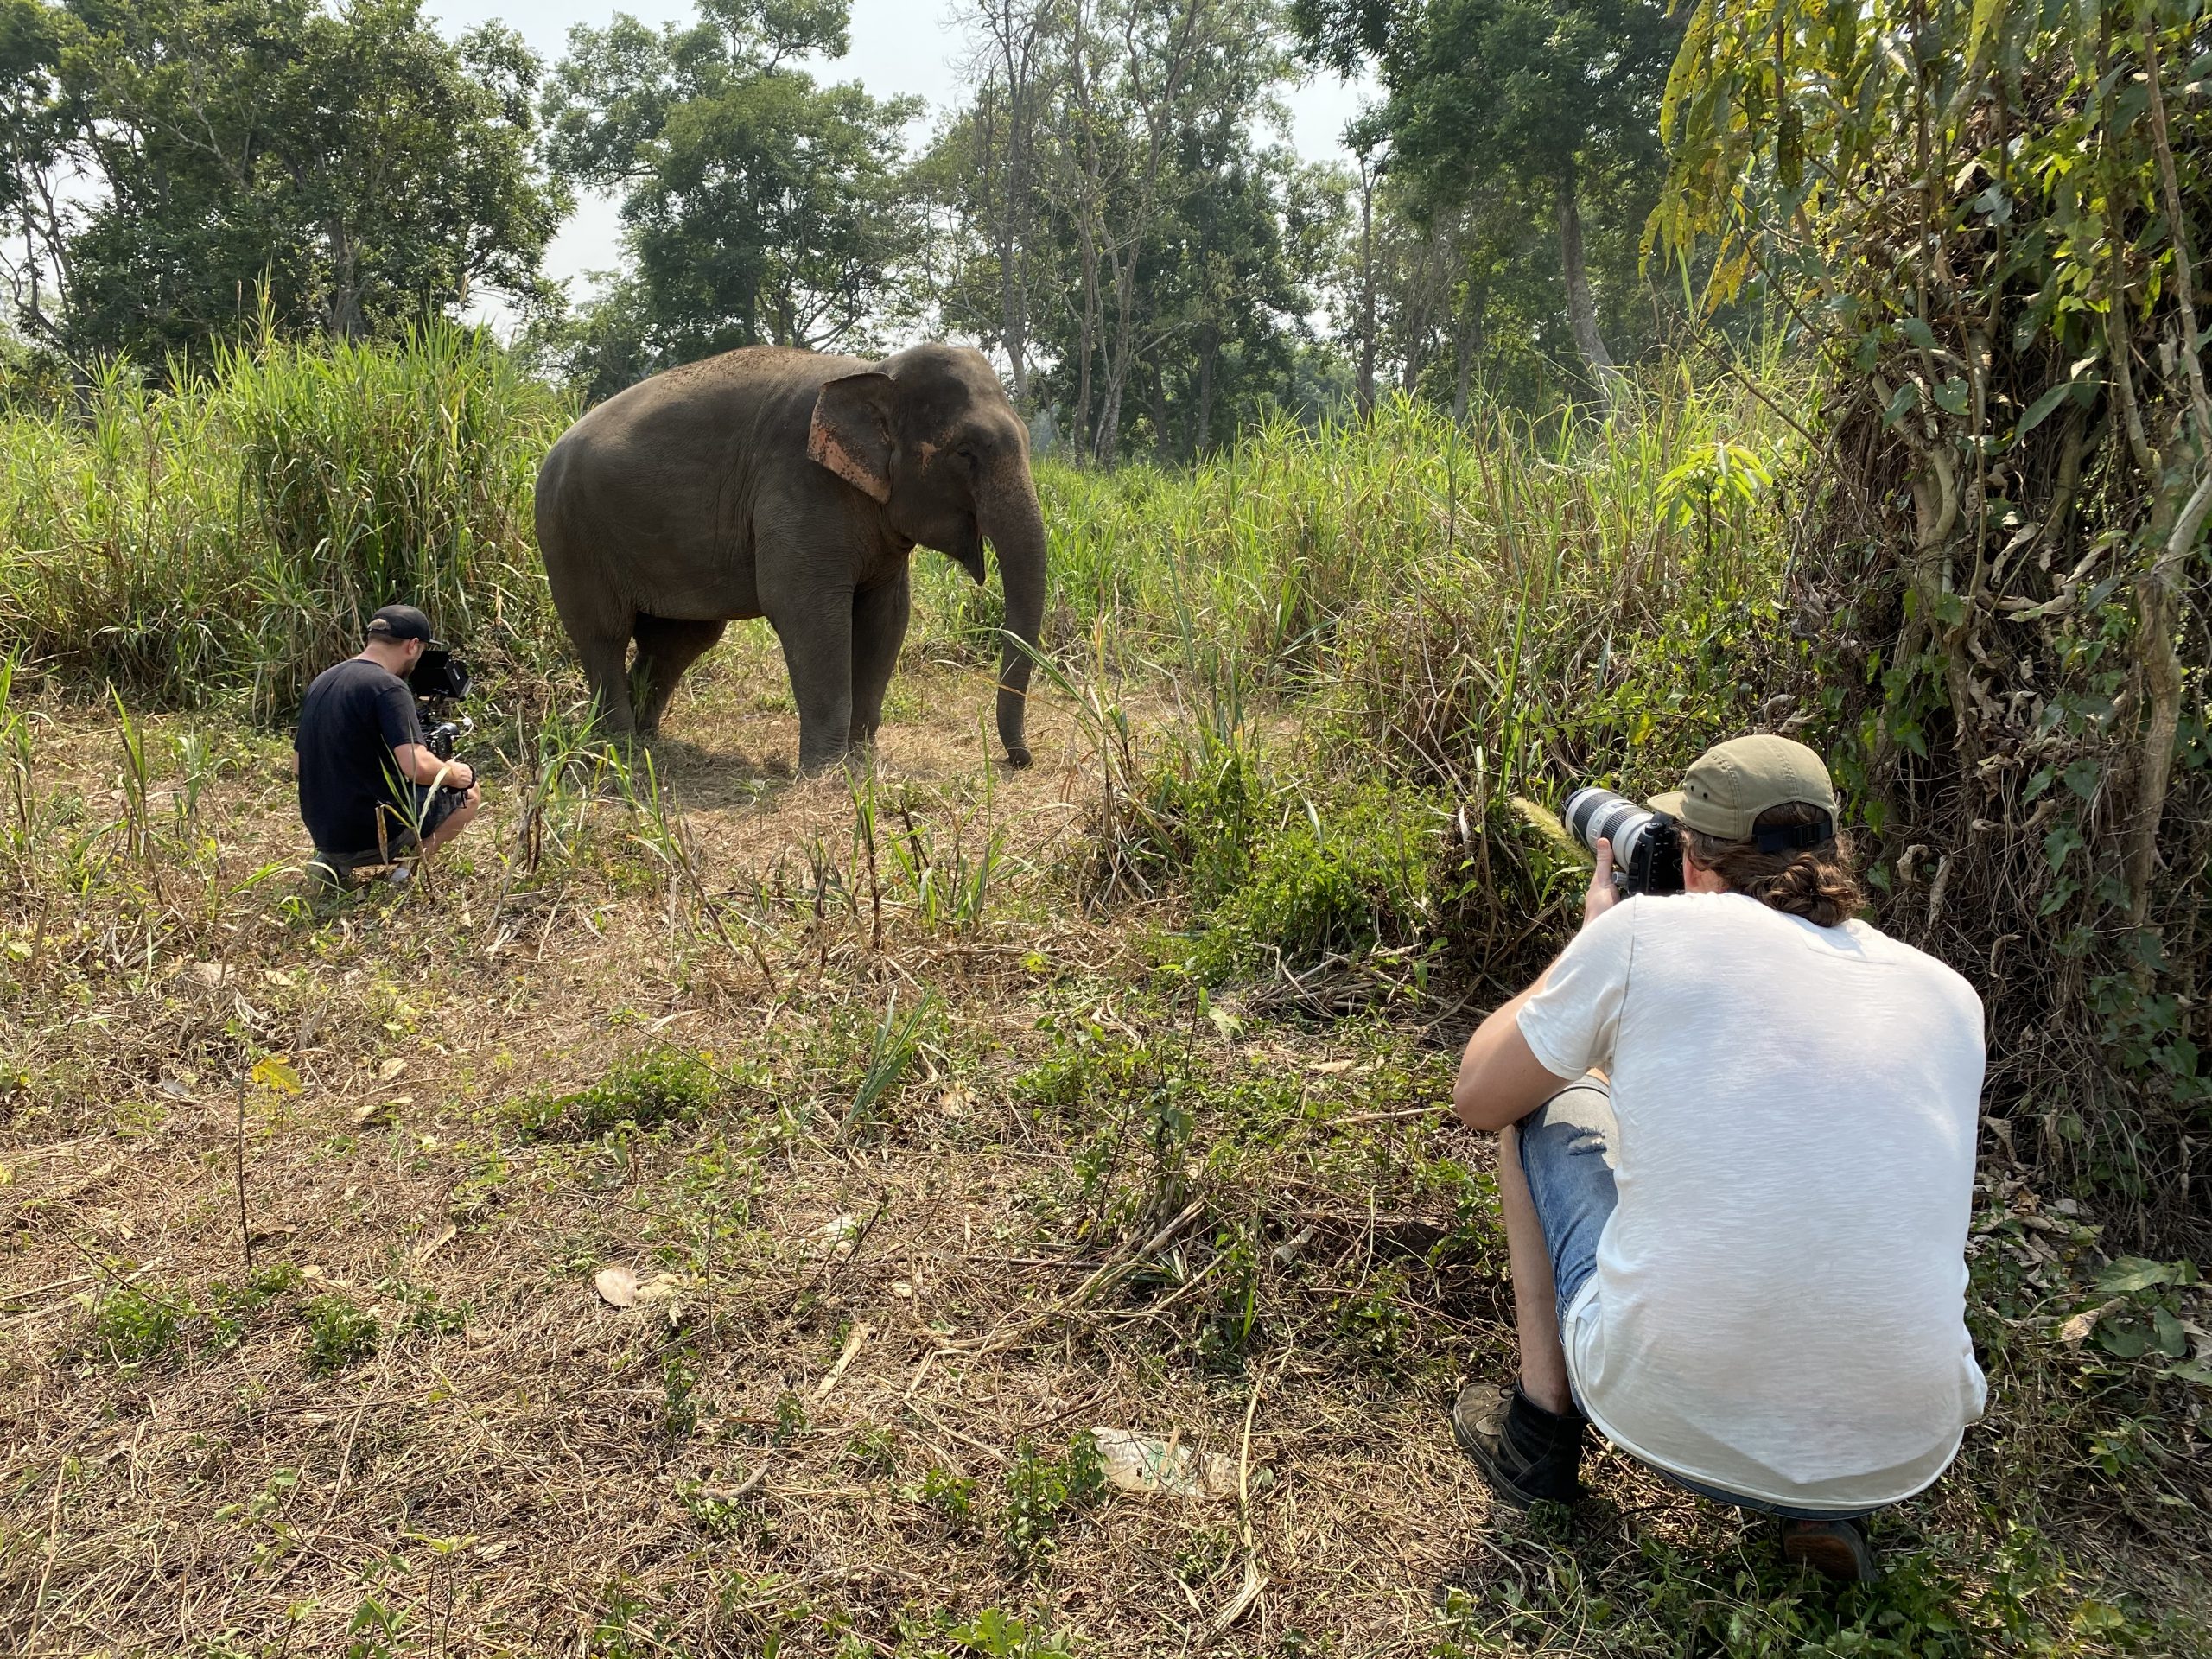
1816	882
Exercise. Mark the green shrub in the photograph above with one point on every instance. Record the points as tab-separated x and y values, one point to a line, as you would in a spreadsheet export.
1337	885
236	531
656	1086
1042	1492
338	1333
133	1325
679	1407
1134	1109
1195	816
873	1452
235	1304
953	1497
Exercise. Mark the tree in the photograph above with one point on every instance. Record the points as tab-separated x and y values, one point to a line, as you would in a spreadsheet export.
1491	96
1012	75
348	172
37	117
757	205
1114	222
1989	222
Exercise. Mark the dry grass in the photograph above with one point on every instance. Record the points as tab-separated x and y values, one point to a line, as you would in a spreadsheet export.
545	1473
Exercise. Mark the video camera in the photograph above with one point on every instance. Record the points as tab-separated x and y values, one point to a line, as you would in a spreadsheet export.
1646	845
439	679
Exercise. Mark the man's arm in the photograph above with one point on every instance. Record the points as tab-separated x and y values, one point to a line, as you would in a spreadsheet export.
1501	1080
418	765
410	758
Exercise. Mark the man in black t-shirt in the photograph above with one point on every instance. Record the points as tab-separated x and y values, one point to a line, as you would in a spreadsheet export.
370	791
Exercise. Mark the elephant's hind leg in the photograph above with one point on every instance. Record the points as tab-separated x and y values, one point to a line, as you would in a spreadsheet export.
879	615
666	646
604	654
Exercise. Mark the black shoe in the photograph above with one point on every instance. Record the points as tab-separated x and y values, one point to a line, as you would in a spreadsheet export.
1834	1549
1528	1455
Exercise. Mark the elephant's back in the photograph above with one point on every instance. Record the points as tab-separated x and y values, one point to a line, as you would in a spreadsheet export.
731	393
717	414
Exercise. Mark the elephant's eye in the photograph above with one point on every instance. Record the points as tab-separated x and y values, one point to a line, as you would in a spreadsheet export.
967	458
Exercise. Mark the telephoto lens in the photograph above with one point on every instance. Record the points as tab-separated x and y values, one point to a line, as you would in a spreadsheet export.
1646	845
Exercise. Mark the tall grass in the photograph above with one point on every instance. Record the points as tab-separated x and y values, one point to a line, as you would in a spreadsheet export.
1477	598
235	530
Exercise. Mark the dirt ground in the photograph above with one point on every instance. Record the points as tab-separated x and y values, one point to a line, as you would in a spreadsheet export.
304	1345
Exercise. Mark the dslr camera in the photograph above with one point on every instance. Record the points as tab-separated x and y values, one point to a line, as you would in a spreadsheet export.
440	679
1646	845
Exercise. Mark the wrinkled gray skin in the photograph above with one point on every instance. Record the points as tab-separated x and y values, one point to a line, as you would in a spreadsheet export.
792	485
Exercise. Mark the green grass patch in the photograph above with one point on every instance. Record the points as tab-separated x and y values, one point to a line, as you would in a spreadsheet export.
340	1333
655	1087
1043	1492
135	1323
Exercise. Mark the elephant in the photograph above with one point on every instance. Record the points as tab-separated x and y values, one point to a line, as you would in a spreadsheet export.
793	485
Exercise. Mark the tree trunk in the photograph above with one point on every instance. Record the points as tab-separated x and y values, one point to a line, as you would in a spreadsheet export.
1365	390
344	318
1087	224
1163	430
1117	360
1014	28
1466	344
1581	309
1089	334
1201	427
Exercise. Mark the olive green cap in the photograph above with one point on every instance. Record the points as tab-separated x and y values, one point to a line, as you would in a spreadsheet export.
1731	784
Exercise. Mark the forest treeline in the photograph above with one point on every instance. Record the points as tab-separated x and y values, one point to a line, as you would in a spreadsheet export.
1106	197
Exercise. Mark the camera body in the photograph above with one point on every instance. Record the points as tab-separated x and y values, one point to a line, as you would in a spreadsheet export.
1646	845
440	679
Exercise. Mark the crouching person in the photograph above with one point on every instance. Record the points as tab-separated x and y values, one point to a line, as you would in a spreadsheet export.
370	792
1736	1141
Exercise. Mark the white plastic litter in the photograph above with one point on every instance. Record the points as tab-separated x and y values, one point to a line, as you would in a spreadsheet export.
1139	1462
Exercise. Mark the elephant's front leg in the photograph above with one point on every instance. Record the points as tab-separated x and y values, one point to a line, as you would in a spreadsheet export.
879	615
817	635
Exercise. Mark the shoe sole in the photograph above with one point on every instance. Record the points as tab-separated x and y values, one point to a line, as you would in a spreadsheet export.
1832	1555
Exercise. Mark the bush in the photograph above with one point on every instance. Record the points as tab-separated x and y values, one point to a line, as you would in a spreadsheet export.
338	1333
1042	1492
1334	886
134	1324
656	1086
236	1305
234	533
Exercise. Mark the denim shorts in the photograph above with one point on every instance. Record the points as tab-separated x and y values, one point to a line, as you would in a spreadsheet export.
1567	1151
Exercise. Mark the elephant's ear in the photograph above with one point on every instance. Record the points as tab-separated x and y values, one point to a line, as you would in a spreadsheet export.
851	432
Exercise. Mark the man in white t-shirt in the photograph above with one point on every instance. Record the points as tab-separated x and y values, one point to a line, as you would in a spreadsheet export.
1738	1231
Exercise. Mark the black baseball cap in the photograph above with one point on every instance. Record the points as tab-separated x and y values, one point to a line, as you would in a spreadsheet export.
403	622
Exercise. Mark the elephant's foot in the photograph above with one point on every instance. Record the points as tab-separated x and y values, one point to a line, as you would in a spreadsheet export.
856	757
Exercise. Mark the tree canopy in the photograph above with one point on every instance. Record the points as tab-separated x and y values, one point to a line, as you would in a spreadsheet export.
758	205
350	171
1516	110
1106	198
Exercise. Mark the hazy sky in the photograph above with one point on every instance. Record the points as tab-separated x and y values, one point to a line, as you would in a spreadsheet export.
898	46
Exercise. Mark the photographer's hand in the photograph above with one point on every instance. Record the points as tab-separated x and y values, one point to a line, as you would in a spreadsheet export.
1603	895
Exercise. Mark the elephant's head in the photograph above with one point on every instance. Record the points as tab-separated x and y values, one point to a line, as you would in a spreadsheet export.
932	436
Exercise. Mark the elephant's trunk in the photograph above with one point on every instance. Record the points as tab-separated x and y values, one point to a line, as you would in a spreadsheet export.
1016	529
